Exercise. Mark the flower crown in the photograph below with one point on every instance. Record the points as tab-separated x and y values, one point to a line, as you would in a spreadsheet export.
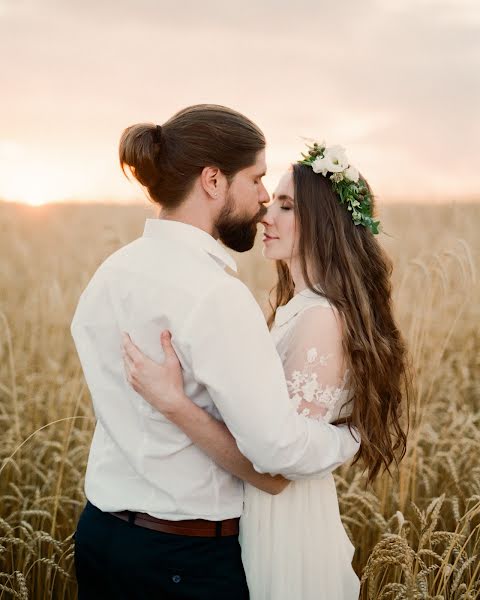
352	190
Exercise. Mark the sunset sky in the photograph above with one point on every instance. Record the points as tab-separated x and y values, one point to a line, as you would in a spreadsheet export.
397	83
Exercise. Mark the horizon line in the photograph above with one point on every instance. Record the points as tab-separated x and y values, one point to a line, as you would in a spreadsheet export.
393	199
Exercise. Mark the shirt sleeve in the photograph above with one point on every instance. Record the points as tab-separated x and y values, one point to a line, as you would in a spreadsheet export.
229	348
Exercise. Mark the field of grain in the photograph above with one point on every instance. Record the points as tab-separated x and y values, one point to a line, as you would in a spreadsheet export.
417	534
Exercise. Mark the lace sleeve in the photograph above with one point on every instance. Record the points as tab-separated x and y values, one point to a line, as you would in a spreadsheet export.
314	364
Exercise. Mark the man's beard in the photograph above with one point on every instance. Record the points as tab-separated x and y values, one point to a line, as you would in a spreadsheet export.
235	231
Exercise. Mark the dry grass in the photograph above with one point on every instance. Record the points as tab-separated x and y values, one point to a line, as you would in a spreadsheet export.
417	535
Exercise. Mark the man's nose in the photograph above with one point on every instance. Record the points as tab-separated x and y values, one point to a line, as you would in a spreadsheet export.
264	196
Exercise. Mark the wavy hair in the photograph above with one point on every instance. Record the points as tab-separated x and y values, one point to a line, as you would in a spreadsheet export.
354	274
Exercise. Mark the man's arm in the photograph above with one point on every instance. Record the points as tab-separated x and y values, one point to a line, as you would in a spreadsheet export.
229	348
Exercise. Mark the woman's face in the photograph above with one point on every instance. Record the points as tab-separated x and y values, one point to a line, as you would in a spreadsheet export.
280	240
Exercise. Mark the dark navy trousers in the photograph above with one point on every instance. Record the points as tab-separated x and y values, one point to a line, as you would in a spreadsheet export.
119	561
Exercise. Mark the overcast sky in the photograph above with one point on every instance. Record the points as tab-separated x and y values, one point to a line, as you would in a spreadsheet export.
397	83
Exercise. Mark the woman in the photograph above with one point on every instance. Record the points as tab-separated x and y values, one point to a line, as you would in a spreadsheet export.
344	361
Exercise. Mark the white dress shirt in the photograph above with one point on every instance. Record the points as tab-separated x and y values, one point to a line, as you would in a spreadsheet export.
174	277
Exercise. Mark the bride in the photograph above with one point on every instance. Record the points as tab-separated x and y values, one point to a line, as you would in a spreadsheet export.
344	360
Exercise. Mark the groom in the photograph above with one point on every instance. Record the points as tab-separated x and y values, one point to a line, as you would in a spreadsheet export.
161	520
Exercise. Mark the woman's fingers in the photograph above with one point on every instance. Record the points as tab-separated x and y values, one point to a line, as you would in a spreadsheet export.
131	377
171	357
127	369
130	368
127	361
166	340
131	350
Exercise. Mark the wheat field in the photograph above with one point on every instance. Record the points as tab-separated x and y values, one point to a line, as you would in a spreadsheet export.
417	534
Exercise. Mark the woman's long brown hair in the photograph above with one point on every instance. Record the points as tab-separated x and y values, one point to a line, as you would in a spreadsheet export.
354	273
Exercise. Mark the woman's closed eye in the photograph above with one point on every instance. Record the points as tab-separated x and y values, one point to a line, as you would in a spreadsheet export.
286	207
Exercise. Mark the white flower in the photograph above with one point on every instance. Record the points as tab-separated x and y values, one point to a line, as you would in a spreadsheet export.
323	360
335	159
309	389
319	165
311	355
296	377
352	174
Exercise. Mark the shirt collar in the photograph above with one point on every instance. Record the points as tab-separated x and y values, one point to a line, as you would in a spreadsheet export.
300	301
182	232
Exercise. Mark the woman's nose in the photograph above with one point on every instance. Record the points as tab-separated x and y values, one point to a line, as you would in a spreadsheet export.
267	219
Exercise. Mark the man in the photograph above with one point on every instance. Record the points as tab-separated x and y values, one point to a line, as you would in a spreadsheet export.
162	519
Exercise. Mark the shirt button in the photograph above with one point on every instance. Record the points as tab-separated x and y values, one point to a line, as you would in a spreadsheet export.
176	579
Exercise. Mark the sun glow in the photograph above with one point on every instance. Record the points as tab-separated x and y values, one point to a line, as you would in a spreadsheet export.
34	196
27	179
34	185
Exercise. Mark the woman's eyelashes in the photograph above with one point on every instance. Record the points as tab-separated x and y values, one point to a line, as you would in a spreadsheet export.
286	207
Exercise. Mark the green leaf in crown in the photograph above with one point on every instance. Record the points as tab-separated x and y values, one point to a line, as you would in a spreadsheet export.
351	189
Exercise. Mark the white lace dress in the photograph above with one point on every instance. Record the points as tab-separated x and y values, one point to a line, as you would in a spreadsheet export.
294	546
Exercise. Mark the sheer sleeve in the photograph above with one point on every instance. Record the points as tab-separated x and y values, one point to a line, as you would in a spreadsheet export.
315	367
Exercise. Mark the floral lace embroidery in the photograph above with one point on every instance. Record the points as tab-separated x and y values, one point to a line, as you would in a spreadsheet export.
304	387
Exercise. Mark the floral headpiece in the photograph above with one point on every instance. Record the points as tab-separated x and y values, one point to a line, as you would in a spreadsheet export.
352	190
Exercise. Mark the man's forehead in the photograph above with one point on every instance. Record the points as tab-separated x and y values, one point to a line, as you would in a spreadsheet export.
259	167
261	162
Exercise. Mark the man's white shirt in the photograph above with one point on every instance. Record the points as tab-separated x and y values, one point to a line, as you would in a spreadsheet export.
173	277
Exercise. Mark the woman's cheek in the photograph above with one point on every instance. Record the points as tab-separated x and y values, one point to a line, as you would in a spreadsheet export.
293	237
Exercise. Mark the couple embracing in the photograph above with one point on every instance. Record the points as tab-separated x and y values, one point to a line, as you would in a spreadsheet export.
210	470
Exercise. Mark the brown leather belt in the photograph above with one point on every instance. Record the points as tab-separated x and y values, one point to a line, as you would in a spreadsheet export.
193	527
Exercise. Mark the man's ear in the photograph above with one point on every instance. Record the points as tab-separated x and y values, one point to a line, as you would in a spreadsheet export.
214	182
210	180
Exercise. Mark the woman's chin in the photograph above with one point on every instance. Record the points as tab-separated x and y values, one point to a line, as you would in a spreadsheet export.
268	253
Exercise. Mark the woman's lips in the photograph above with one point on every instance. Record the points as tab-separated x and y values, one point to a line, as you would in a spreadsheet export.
268	238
